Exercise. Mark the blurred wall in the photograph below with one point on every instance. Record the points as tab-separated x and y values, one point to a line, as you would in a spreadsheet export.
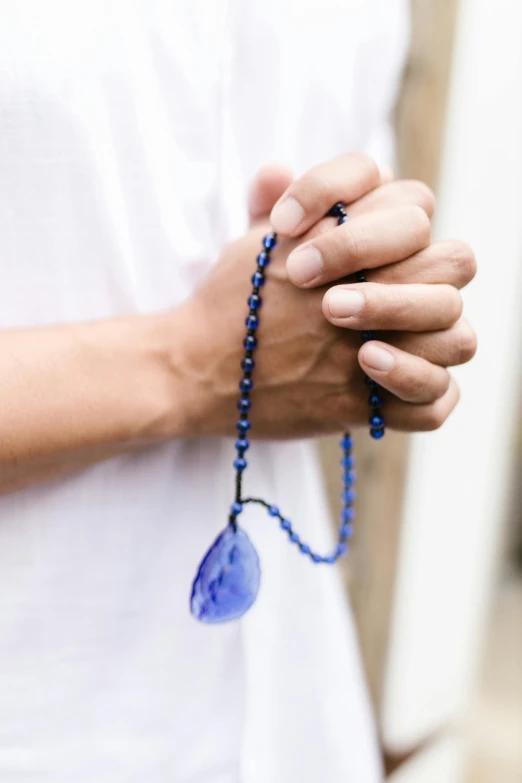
458	479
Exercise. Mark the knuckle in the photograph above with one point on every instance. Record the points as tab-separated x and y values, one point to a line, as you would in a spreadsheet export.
434	417
356	242
462	258
444	384
450	305
424	195
367	166
416	384
467	343
436	414
321	183
317	186
456	397
419	225
320	228
395	300
457	304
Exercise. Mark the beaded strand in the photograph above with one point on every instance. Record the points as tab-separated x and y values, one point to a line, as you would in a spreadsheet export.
376	419
244	405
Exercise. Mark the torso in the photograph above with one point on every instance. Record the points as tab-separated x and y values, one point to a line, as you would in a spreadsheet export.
128	133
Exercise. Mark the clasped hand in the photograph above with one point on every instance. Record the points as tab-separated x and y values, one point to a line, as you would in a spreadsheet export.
308	377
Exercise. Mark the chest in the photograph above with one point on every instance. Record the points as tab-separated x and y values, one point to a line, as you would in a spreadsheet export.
129	130
313	57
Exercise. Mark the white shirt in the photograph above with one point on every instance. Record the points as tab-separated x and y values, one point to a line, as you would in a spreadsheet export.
129	130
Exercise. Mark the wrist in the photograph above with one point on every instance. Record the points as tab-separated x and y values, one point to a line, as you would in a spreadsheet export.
142	397
163	382
182	357
202	392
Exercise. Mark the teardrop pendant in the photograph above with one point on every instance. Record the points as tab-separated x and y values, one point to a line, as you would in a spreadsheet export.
227	582
228	578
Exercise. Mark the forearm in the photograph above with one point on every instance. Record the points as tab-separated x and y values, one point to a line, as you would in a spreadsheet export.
75	394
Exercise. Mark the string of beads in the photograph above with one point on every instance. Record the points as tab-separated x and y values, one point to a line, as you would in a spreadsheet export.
244	405
376	419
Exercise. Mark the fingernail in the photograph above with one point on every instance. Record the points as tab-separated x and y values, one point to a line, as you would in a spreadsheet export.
304	265
287	215
378	358
343	303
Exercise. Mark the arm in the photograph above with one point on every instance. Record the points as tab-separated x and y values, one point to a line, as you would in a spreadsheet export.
75	394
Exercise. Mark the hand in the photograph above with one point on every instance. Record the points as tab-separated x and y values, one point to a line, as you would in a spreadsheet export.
307	379
418	311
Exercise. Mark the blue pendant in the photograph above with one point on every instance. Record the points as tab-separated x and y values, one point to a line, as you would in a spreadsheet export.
228	578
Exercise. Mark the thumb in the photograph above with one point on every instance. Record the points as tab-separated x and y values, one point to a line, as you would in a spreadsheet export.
268	185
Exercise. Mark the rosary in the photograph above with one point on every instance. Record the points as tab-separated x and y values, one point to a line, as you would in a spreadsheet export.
228	578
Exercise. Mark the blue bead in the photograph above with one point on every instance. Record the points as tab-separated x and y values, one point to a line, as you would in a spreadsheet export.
371	384
376	421
337	210
242	444
254	302
342	219
374	401
347	514
263	260
248	364
236	508
252	321
348	461
368	335
316	558
346	443
377	433
244	404
258	279
240	463
346	532
349	478
305	549
286	524
243	425
341	549
246	385
348	496
270	241
331	559
250	342
273	511
294	538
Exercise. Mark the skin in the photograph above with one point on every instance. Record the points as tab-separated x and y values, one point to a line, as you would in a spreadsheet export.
76	394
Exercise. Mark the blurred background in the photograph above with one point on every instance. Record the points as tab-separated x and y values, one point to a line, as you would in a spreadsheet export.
436	572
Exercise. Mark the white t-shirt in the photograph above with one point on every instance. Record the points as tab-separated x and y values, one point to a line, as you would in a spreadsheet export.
129	130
